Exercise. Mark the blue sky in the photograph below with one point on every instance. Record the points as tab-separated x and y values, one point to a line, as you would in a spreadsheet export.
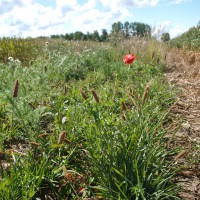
47	17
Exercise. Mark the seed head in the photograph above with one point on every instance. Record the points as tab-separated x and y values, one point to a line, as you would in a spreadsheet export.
16	87
158	60
35	144
124	117
65	89
61	137
145	92
43	135
124	106
153	55
67	175
96	98
83	94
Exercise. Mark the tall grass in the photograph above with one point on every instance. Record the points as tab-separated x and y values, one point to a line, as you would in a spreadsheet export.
83	125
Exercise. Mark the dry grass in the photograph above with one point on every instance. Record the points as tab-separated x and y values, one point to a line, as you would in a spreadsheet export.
183	72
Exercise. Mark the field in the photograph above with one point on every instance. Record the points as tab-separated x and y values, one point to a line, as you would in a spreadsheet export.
78	123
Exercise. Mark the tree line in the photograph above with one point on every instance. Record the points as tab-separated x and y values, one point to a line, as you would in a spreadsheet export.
125	30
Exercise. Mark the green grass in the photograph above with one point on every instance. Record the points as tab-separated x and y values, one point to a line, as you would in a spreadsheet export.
114	148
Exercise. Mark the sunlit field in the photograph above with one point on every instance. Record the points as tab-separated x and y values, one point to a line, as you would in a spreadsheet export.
76	122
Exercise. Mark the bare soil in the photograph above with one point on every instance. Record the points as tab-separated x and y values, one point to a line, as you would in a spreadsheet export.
183	73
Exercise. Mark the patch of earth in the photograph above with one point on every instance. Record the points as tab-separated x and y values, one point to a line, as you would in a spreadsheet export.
183	73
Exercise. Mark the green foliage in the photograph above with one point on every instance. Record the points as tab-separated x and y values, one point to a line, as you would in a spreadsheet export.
131	29
114	134
188	40
165	37
20	49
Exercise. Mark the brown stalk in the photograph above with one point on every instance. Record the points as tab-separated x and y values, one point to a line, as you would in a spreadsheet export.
158	60
45	68
96	98
124	106
35	144
61	137
165	57
68	176
67	141
124	117
16	87
145	93
186	173
181	154
43	135
83	94
153	55
65	89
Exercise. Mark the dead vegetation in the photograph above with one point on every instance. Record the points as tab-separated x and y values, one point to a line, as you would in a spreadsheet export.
183	73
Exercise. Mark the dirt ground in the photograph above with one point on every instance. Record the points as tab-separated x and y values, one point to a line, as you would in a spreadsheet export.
183	73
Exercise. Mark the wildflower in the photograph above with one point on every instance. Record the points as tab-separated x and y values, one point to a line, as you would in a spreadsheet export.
80	190
129	58
17	61
10	59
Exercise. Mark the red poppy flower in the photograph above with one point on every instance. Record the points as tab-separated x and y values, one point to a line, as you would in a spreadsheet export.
129	58
80	190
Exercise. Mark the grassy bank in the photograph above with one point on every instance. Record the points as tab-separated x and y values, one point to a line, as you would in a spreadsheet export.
78	123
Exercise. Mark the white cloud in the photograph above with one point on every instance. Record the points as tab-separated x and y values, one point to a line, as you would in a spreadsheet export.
178	1
177	30
28	18
128	3
90	4
63	7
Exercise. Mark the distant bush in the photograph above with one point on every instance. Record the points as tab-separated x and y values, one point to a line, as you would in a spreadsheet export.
188	40
165	37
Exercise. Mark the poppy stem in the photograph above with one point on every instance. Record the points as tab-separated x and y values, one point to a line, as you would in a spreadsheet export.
129	66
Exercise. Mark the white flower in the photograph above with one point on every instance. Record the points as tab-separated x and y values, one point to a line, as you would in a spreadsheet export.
10	59
17	61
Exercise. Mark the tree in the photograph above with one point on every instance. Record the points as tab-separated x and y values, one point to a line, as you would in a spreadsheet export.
78	35
117	28
55	36
96	36
126	29
198	24
165	37
140	29
104	35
